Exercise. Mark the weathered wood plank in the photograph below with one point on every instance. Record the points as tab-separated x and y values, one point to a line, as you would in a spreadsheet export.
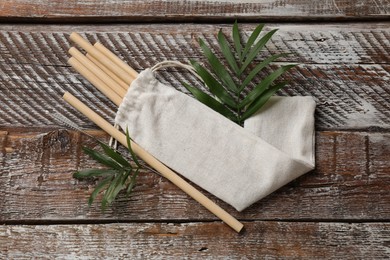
349	43
346	70
351	182
193	10
294	240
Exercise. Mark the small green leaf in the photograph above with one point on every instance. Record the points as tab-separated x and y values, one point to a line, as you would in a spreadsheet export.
263	85
119	171
98	189
92	173
112	190
210	102
217	67
133	155
227	53
251	40
237	41
256	49
121	184
213	85
103	159
258	68
126	175
114	155
132	183
260	101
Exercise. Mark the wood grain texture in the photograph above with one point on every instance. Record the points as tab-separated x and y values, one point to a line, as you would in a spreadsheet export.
344	67
340	210
196	241
192	10
350	183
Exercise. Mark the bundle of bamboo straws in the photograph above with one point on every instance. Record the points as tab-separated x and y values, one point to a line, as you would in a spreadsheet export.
112	77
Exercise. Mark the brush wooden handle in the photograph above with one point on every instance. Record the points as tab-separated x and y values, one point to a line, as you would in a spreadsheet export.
155	164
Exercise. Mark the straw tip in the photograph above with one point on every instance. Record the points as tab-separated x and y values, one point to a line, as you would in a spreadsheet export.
72	50
74	35
66	94
240	228
71	60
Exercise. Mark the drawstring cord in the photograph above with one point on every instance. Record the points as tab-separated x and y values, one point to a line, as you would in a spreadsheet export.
177	64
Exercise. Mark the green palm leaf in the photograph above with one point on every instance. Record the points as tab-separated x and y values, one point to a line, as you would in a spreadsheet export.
217	67
261	100
117	176
251	40
237	40
132	183
256	49
103	159
92	173
100	187
227	53
114	155
258	68
214	86
263	85
120	185
133	155
210	102
112	190
227	89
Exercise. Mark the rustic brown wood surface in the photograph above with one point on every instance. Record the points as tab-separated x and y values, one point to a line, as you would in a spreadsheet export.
339	210
213	240
37	185
345	67
192	10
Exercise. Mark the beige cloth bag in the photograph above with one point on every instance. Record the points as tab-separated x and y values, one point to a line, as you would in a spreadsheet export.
238	165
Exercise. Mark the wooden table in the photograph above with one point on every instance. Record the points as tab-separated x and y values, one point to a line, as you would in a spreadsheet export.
339	210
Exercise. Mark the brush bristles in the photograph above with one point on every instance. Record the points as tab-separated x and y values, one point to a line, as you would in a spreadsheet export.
66	121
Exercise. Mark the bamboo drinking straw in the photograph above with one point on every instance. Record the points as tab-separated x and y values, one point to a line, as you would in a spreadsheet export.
100	85
154	163
123	84
75	37
97	71
110	71
115	59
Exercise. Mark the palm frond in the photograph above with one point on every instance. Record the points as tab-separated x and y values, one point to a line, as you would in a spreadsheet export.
120	174
263	86
252	38
237	41
227	53
261	100
214	85
256	49
258	68
210	102
218	69
226	85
